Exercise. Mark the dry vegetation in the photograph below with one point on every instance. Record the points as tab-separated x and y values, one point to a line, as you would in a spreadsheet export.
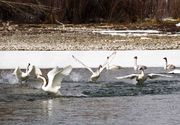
78	37
85	11
89	15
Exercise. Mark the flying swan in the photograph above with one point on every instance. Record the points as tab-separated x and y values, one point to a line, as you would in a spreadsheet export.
31	70
142	77
95	74
109	60
55	77
168	66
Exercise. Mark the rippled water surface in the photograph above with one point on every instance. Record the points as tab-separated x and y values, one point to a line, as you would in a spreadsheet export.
108	101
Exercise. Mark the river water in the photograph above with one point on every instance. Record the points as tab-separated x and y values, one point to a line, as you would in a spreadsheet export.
109	101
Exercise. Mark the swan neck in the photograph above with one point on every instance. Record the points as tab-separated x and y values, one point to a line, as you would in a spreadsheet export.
44	81
135	62
107	67
27	69
166	62
98	71
142	72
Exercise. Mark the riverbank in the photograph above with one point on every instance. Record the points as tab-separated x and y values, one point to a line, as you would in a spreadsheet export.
81	37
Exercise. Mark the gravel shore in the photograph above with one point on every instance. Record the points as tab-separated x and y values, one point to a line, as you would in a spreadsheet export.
79	38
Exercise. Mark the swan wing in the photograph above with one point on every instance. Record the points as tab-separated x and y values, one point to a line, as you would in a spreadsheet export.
58	76
19	74
52	72
66	70
153	75
175	71
114	67
171	66
83	64
131	76
17	70
106	63
109	59
34	71
38	71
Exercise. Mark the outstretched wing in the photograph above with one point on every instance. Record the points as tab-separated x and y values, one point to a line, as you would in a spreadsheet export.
19	74
131	76
113	67
109	59
66	70
52	73
38	71
34	71
153	75
170	66
83	64
176	71
58	76
17	70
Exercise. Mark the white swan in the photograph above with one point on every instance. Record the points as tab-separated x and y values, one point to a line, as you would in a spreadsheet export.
142	77
136	66
95	74
168	66
113	67
30	71
109	60
55	77
175	71
35	71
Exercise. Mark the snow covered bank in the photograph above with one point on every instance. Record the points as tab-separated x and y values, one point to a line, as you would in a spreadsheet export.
134	33
178	24
49	59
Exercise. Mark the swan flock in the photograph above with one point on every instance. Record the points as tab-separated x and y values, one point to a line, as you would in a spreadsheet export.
51	82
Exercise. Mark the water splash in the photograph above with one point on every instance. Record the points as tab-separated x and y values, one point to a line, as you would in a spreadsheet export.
75	77
8	77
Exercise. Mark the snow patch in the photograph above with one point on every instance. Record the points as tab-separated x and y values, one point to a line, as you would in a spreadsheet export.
178	24
50	59
134	33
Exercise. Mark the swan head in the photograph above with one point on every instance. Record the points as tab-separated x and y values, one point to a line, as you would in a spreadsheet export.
135	57
141	69
100	66
165	58
29	64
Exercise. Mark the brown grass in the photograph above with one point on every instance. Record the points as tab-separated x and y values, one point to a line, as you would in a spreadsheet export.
86	11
